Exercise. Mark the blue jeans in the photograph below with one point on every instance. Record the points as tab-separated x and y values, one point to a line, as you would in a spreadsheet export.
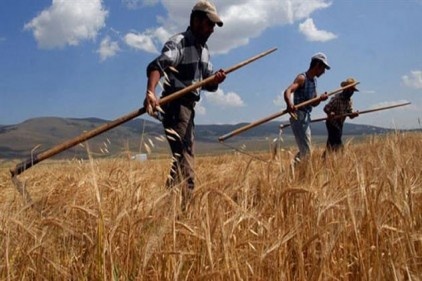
302	132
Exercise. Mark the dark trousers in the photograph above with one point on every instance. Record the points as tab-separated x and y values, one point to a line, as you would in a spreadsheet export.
335	132
179	118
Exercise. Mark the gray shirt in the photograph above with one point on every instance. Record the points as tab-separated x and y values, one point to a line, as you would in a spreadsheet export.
190	59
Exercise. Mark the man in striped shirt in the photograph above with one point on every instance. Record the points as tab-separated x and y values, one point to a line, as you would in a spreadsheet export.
340	104
184	60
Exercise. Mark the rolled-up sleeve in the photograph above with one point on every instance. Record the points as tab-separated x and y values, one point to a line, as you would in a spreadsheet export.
208	71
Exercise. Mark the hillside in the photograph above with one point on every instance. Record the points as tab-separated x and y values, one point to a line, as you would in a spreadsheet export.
39	134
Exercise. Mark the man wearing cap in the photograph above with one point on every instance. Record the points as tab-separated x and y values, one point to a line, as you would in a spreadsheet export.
340	104
184	60
303	88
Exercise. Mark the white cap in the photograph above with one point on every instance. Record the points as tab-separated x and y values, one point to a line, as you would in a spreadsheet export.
321	57
210	9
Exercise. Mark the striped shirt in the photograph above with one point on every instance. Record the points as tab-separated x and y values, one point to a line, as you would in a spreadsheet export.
190	59
306	92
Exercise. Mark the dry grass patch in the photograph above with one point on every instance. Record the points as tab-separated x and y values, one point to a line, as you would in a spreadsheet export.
354	216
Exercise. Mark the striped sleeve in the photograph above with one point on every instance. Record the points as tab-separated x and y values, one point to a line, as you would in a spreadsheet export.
170	56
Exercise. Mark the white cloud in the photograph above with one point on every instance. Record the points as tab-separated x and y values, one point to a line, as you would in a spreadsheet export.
243	19
200	109
414	80
311	32
406	115
279	99
161	35
388	103
145	41
230	99
108	48
134	4
369	92
68	23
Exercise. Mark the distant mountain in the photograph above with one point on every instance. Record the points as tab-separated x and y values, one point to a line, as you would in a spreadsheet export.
39	134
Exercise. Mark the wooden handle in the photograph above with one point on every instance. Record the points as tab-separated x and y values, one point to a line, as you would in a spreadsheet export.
278	114
282	126
110	125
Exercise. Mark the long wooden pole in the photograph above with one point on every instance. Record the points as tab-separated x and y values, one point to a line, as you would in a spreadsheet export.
278	114
282	126
112	124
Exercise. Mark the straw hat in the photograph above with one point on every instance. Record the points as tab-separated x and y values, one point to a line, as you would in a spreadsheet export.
349	81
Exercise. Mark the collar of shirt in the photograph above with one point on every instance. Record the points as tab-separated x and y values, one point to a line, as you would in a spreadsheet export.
192	39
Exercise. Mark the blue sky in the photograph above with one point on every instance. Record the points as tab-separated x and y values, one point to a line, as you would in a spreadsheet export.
87	58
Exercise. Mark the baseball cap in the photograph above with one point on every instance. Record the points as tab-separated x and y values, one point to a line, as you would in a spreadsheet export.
210	9
349	81
321	57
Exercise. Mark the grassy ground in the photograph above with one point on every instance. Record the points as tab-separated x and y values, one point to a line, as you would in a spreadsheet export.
354	216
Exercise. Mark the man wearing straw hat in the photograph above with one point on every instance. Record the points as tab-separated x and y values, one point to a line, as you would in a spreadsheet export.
339	105
303	88
184	60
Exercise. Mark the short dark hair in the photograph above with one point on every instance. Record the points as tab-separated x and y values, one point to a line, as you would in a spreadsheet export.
315	62
197	14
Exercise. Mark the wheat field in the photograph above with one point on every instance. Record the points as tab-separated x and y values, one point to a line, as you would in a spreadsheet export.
356	215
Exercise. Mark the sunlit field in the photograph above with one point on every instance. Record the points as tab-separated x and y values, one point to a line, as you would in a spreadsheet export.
356	215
